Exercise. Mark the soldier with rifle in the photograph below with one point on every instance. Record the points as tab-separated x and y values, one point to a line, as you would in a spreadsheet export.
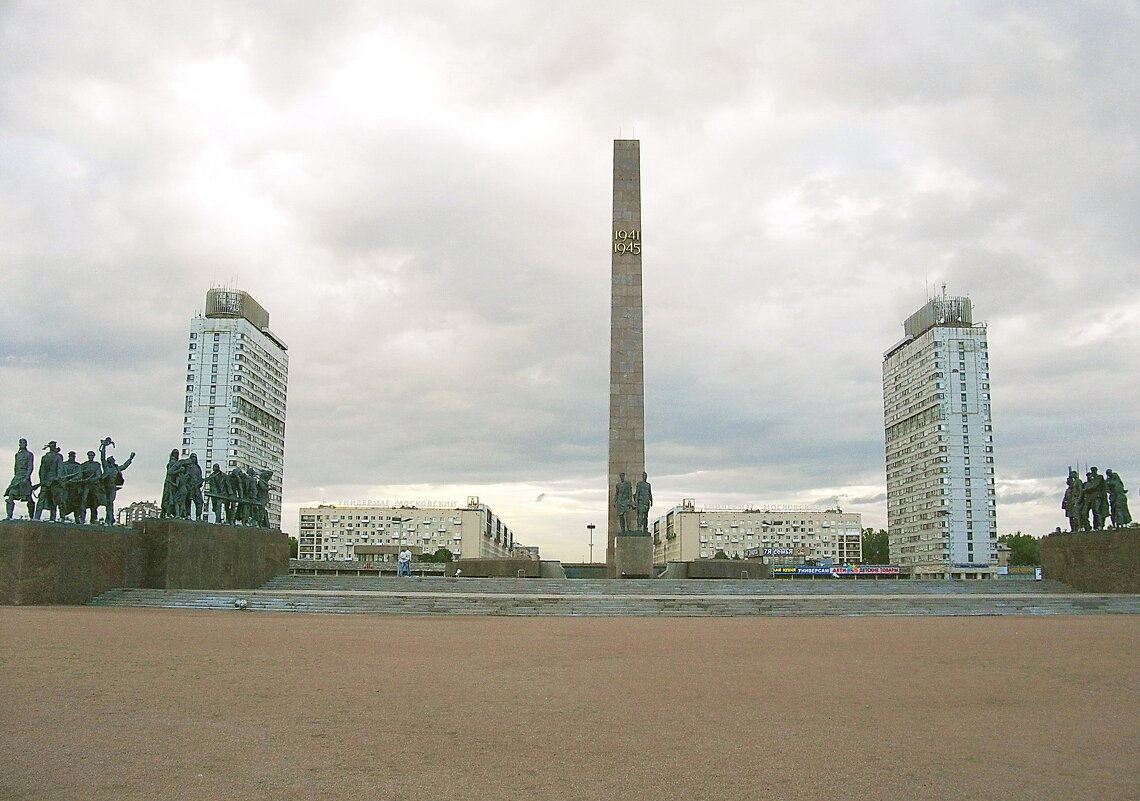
1096	498
1117	499
1073	503
262	498
20	487
239	504
218	491
193	478
68	488
90	488
50	466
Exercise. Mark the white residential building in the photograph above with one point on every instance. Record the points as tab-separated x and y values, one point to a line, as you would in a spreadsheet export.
137	512
236	376
782	534
375	530
941	503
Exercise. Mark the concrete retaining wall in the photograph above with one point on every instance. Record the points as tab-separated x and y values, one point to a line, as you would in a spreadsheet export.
1094	561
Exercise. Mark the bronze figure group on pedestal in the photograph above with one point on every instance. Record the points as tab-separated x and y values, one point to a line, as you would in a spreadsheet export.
69	490
1103	498
239	497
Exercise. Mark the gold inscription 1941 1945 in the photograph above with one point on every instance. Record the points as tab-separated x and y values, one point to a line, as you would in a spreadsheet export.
627	241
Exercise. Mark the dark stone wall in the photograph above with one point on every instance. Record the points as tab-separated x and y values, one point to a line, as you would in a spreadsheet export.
1094	561
585	570
56	563
185	555
52	563
717	569
496	568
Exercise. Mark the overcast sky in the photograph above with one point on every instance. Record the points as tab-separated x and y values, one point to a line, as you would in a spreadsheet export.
419	194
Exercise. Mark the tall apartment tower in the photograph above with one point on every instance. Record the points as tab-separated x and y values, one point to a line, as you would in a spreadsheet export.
941	504
236	376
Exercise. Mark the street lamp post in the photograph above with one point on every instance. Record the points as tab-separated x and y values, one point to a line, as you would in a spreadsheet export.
590	527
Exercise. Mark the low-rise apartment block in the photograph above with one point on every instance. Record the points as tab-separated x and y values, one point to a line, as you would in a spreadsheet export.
375	530
783	534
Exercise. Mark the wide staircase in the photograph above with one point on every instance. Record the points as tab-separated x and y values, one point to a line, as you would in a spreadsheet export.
636	597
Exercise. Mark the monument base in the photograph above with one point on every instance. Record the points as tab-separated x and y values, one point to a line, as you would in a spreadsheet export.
717	569
1094	561
505	568
66	563
58	563
633	555
187	555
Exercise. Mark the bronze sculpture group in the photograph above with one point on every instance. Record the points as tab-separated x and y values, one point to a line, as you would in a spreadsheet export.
68	490
239	497
629	499
71	491
1103	498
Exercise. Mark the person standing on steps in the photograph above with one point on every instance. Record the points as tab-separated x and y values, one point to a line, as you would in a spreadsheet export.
404	563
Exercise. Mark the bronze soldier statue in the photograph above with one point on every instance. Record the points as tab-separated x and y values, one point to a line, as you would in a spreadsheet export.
218	491
20	487
623	501
68	487
1096	498
50	466
644	494
90	486
193	479
1117	499
263	498
112	478
171	486
1073	503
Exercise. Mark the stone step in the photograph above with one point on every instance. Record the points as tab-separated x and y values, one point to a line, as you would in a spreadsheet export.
533	604
514	586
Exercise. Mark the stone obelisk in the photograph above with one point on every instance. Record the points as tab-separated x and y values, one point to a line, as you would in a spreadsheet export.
627	381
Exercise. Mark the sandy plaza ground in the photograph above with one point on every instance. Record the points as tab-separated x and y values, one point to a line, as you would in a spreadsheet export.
167	704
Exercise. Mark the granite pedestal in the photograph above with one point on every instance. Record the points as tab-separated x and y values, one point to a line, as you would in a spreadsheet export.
186	555
1094	561
56	563
717	569
62	563
505	568
633	555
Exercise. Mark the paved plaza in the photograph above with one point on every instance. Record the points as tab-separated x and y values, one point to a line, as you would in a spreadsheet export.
123	703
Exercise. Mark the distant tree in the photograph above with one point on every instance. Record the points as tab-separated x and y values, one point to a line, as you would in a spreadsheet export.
720	555
875	547
293	547
1024	549
443	555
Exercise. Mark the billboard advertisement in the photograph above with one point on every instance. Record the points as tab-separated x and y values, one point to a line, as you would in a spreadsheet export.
836	570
